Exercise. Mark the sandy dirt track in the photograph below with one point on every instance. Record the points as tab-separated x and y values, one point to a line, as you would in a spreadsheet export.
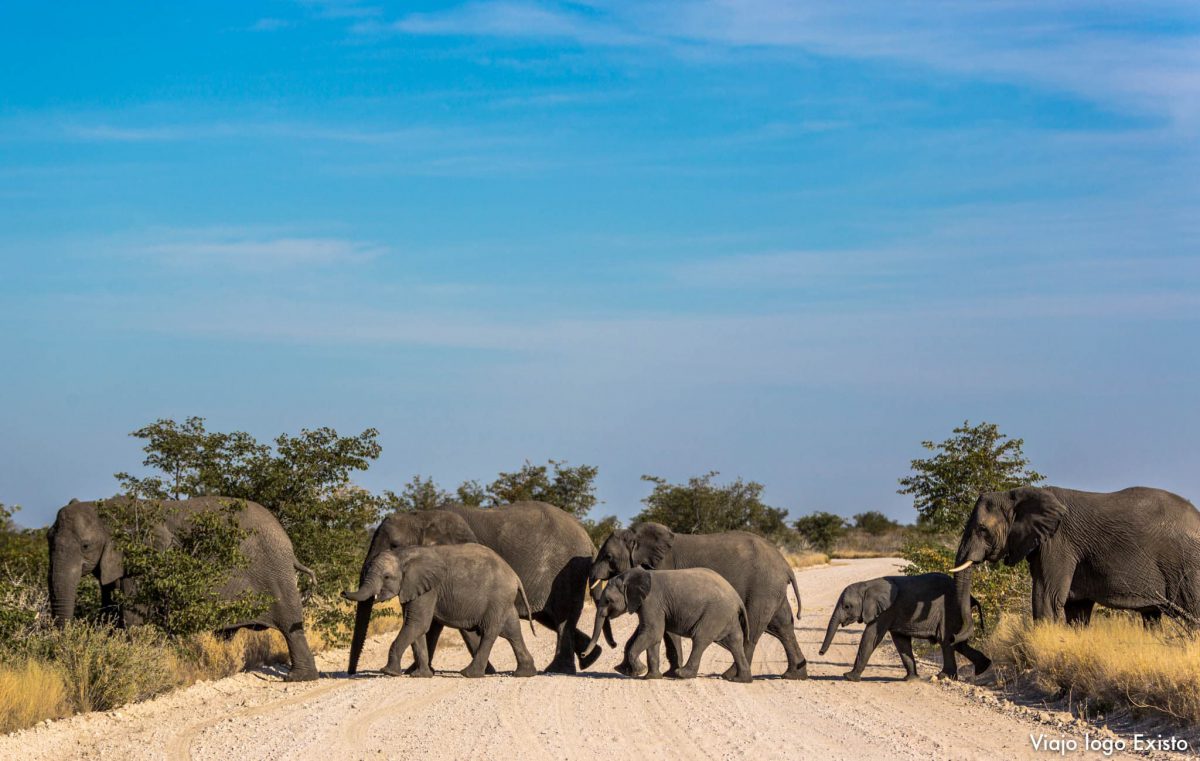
597	715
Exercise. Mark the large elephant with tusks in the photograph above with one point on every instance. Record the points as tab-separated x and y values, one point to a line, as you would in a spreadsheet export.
547	547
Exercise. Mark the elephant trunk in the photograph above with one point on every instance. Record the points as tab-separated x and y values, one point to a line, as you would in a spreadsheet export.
962	599
608	635
834	622
600	626
365	597
63	585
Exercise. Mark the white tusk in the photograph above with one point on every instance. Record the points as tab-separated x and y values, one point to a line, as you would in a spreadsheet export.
593	584
962	567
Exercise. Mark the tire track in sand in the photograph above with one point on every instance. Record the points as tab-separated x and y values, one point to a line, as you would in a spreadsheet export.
180	748
356	734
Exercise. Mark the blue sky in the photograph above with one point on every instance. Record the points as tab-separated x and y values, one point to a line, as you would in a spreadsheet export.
784	241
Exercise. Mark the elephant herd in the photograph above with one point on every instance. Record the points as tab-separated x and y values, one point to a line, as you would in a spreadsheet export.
489	572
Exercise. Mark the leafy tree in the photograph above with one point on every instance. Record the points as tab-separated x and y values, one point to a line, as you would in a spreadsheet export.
178	587
974	460
599	530
418	494
305	480
702	507
23	552
571	488
875	523
821	529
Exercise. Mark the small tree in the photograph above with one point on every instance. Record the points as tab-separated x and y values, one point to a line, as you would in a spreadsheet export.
821	529
974	460
418	494
599	530
875	523
571	488
702	507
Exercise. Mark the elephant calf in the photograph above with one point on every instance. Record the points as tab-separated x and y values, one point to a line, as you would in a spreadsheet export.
905	607
463	586
693	602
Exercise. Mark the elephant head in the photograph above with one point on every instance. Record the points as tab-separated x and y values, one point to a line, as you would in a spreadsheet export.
863	603
406	574
1006	525
624	593
395	533
644	545
80	544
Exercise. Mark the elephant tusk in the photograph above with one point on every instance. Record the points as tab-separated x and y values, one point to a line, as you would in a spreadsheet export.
962	567
593	585
602	583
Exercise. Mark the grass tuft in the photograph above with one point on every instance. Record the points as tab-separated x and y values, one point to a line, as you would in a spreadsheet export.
30	691
806	558
1116	661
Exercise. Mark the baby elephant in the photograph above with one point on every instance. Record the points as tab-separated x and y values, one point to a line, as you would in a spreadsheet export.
693	602
907	607
463	586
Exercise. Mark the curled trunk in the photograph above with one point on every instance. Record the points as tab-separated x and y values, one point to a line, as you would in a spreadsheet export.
834	623
600	626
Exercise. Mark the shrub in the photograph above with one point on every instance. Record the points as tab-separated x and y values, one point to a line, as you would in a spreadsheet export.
1114	661
30	691
178	587
875	523
821	529
702	507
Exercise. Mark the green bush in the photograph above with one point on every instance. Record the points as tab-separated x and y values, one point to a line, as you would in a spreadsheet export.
178	588
821	529
702	507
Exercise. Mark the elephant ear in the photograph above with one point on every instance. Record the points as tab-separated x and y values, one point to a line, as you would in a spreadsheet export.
1036	515
652	543
110	568
419	573
443	527
876	599
637	586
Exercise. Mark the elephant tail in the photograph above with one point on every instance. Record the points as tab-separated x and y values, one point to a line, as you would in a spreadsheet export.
301	568
528	609
979	607
796	589
745	622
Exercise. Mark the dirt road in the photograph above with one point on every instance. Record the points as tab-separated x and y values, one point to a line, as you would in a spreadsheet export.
597	715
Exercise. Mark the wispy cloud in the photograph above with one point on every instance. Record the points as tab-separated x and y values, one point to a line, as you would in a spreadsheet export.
231	251
1102	51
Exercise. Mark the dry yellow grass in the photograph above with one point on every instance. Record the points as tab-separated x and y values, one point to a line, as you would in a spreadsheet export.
30	692
1115	660
806	558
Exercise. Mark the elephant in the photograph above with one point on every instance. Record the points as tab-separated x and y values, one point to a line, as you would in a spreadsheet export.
464	586
81	543
753	567
547	548
1136	549
920	606
693	602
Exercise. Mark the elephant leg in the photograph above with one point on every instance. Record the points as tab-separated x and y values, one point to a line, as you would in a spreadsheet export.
1051	588
1151	618
631	664
653	666
564	648
674	645
735	644
980	661
949	662
421	667
471	640
287	616
512	633
1078	612
903	645
478	665
692	667
871	637
430	647
645	638
781	628
418	617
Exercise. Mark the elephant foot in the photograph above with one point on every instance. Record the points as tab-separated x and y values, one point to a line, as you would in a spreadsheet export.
490	669
560	667
389	671
653	675
304	675
525	671
628	670
685	673
947	675
739	678
914	677
473	673
730	672
987	666
420	673
798	673
589	658
852	676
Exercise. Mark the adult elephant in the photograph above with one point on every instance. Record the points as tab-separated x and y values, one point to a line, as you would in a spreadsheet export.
1135	549
753	567
547	547
81	544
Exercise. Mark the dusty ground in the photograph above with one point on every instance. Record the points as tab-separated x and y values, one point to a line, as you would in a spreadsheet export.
596	715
